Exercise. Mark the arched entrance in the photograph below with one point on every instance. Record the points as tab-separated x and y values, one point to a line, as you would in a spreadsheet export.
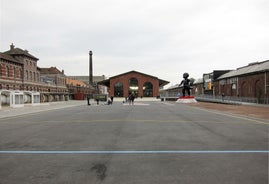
118	89
148	89
244	89
133	86
258	91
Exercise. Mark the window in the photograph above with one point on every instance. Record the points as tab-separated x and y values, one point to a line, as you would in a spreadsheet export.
7	71
30	76
14	72
20	74
118	89
133	86
148	89
27	75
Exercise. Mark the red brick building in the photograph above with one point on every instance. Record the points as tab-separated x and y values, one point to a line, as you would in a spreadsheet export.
19	73
247	84
18	70
250	82
54	87
11	72
79	90
142	85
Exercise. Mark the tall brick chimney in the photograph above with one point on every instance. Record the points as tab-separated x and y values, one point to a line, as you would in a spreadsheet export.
90	68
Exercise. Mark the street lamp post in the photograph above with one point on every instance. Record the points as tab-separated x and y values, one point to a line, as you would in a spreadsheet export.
90	68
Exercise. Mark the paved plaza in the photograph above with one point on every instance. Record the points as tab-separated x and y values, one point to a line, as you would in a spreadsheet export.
149	142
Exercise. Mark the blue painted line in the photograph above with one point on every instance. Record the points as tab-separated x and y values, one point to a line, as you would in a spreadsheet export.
138	152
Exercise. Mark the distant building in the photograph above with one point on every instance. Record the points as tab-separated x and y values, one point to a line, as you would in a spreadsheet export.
209	79
54	88
98	88
19	73
249	83
18	70
140	84
11	73
173	92
79	90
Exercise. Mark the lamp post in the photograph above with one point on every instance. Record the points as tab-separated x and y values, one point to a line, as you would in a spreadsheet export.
90	68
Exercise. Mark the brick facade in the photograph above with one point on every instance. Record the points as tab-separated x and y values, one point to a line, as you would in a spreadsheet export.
251	85
19	72
141	78
248	83
10	73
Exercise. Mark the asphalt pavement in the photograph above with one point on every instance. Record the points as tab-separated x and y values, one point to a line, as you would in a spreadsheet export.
149	142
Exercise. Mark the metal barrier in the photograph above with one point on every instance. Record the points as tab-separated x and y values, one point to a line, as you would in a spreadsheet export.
235	99
230	99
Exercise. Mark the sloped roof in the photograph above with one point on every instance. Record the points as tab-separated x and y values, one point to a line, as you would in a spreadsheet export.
107	81
51	70
73	82
8	58
18	51
250	68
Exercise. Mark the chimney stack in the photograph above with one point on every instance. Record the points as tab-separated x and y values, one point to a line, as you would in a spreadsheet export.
12	46
90	68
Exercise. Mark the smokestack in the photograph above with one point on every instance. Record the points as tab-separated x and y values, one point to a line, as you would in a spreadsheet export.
12	46
90	67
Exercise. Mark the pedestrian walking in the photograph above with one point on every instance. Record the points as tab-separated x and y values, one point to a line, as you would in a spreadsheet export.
111	99
131	98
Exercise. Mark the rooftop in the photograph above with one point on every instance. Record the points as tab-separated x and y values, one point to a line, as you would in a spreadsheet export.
250	68
17	51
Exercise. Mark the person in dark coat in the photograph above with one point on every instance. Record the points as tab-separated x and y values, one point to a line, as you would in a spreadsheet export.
131	98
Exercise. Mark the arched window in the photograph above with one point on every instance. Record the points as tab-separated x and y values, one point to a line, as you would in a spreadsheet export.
30	76
133	86
20	74
14	72
148	89
7	71
27	77
259	94
37	77
244	89
118	89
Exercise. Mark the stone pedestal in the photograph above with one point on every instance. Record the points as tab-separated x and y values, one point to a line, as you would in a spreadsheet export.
186	99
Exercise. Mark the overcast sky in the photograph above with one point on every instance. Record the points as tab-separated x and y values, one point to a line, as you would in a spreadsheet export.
163	38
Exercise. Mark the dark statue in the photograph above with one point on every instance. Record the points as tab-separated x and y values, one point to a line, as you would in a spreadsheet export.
186	84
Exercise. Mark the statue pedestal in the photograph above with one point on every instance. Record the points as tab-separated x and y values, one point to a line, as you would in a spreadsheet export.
186	99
